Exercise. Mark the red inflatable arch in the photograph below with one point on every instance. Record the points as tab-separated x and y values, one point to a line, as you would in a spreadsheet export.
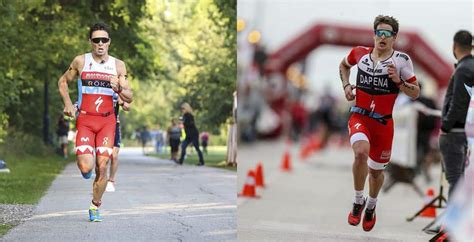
331	34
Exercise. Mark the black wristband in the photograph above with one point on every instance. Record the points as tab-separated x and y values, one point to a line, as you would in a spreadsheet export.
344	87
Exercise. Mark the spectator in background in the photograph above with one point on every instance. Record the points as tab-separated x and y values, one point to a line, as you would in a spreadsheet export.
453	140
62	132
426	126
326	115
204	141
192	134
174	139
160	140
144	137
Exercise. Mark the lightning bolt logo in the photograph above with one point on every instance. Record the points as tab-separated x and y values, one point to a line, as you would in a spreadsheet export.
372	106
97	103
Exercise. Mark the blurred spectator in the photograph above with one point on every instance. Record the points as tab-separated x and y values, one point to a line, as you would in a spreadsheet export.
144	137
159	140
453	140
174	139
326	116
204	141
426	126
62	132
192	134
260	58
299	117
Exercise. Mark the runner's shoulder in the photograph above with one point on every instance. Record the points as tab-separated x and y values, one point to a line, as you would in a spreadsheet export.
78	61
362	48
119	62
402	56
356	54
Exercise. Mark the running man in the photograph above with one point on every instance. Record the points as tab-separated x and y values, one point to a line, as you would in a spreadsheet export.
381	73
99	77
117	143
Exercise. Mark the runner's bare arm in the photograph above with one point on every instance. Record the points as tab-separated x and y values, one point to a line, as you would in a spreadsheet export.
344	73
410	89
70	74
125	105
126	91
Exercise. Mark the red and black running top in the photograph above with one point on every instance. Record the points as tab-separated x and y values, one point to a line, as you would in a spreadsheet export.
375	91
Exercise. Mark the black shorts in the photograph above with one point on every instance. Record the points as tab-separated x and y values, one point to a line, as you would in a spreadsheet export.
118	136
174	144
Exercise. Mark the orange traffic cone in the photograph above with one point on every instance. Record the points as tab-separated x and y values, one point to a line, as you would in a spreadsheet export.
249	187
305	151
259	176
286	162
431	210
315	144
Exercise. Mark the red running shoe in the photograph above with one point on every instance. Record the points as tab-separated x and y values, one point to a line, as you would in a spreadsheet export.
355	214
368	222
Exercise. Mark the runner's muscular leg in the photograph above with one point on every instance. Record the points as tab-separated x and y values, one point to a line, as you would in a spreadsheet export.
85	162
114	163
359	167
84	146
376	178
100	180
105	142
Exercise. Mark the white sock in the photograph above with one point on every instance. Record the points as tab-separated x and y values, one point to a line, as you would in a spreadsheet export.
371	203
359	197
93	206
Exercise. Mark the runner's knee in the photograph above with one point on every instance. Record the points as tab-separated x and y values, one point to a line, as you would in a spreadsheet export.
361	154
85	163
114	157
101	171
375	173
84	168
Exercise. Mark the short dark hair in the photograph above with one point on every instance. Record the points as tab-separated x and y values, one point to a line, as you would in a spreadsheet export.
463	39
384	19
99	26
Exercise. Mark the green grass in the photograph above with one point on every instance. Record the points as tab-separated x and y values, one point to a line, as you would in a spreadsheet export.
29	178
4	229
215	157
33	166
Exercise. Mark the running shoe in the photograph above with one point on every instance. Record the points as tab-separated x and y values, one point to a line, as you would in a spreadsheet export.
355	214
110	187
369	219
94	215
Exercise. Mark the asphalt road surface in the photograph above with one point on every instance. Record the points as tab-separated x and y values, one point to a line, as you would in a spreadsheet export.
155	200
311	203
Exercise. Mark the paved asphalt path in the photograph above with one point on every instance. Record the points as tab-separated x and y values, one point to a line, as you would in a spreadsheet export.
155	200
311	203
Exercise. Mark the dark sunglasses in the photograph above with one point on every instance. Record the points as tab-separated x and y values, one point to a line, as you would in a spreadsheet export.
387	33
98	40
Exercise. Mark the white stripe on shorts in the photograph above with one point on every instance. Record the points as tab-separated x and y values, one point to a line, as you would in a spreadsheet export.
376	165
358	136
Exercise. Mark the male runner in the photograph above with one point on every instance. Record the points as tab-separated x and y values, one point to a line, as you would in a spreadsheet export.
382	73
117	142
100	76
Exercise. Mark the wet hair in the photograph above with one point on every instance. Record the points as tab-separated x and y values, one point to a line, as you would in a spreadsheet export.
384	19
99	26
463	39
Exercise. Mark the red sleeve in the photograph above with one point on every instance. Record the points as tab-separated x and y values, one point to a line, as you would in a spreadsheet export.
355	55
412	80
